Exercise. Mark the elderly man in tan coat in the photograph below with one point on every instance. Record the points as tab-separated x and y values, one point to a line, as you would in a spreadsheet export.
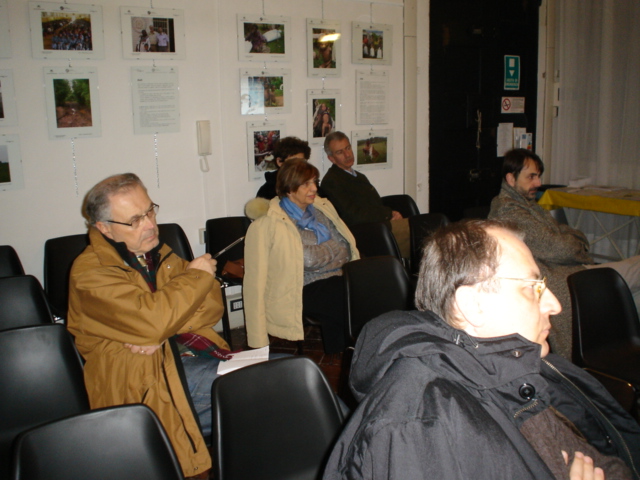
129	295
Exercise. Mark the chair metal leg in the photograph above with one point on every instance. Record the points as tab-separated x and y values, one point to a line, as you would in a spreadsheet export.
226	327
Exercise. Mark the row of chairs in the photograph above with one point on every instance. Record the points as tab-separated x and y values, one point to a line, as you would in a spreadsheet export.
60	252
277	419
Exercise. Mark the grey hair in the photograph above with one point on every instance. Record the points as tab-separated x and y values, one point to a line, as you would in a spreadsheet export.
330	138
459	254
97	204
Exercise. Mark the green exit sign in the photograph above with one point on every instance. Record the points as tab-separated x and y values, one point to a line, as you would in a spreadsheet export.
512	72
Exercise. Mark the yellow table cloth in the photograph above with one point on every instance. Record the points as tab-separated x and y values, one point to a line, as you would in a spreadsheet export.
619	201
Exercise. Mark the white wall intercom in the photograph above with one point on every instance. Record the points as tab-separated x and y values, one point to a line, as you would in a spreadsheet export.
204	137
203	129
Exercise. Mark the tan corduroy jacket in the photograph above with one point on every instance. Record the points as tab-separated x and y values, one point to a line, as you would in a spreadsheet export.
110	304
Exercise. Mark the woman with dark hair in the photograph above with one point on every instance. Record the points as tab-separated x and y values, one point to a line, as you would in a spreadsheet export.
294	252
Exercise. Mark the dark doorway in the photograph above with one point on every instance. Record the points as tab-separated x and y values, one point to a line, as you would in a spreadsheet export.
469	39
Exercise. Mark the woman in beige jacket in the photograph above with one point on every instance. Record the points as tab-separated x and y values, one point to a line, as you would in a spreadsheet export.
293	262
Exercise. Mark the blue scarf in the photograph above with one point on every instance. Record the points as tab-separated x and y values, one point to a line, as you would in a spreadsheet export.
306	219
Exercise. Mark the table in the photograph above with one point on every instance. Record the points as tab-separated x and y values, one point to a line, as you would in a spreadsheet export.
621	205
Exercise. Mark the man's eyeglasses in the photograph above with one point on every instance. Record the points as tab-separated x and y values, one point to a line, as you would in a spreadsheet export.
137	221
540	285
340	152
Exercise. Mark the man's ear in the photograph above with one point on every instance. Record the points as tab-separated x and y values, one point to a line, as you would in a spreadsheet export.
104	229
468	309
511	179
331	159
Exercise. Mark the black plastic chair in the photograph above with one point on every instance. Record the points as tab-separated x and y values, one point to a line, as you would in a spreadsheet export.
10	264
375	239
41	379
606	329
402	203
222	232
122	442
59	254
420	227
23	302
277	419
173	235
374	286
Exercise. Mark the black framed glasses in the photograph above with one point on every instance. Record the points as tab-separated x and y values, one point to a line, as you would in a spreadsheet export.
540	284
137	220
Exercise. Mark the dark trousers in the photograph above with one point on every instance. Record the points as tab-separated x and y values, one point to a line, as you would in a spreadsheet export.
323	301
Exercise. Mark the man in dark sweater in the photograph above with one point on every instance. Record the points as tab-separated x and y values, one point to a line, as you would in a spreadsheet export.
355	199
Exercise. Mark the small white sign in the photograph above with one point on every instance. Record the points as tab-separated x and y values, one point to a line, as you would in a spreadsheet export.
512	105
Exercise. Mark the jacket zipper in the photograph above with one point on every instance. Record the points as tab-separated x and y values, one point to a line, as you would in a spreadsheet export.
525	408
624	444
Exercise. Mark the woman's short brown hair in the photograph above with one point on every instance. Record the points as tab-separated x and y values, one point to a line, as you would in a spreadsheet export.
292	174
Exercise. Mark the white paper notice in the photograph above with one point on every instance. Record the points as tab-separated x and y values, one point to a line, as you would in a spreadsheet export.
156	101
505	138
372	94
244	359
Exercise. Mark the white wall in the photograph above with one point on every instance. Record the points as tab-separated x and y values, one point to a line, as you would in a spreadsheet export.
48	206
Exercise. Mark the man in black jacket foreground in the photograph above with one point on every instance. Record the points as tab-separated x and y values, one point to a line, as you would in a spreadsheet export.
465	388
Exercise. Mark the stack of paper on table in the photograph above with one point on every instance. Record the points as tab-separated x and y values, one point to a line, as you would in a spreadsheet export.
244	359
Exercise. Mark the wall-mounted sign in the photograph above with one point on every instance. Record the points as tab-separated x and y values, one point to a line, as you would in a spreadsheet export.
512	105
512	72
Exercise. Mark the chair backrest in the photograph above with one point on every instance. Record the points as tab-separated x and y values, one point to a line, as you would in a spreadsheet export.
374	286
59	254
223	231
40	380
122	442
10	264
375	239
402	203
604	312
276	419
481	211
22	302
173	235
420	227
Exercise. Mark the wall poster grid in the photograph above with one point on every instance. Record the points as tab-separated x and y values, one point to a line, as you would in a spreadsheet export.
72	31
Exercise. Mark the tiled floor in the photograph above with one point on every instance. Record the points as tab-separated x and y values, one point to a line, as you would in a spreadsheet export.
311	347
